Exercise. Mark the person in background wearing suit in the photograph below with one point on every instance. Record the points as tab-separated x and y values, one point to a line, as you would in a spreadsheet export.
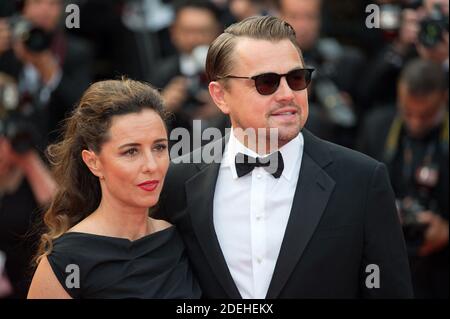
412	141
26	188
181	76
311	227
52	71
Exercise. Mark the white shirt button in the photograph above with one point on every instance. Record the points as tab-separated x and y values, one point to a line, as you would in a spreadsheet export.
258	218
259	260
259	176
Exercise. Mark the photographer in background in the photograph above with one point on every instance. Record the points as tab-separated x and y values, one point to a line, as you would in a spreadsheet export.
182	77
52	68
334	112
433	36
26	186
421	29
413	142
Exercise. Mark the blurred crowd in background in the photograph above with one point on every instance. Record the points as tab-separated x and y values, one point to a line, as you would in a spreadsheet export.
382	91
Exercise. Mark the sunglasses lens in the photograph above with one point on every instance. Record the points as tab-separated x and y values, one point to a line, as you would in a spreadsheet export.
267	83
298	79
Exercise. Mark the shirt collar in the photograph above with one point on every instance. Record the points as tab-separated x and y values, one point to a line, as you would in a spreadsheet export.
291	154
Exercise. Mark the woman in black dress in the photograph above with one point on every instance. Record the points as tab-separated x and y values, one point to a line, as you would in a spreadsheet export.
110	167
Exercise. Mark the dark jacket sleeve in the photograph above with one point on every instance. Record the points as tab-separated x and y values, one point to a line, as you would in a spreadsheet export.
76	77
384	245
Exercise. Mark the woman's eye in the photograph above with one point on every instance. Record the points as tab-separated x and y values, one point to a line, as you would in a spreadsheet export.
160	147
131	152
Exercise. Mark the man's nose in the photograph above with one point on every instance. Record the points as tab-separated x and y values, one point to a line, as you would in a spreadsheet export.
284	93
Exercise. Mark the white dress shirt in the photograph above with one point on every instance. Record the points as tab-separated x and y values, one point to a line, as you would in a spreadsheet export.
251	213
33	84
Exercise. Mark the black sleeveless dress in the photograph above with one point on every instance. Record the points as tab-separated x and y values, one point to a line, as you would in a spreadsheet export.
95	266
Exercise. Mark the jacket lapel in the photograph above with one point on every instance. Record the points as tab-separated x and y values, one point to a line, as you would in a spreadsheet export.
313	190
200	202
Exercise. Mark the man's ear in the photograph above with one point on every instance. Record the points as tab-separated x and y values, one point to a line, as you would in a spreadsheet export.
217	92
92	162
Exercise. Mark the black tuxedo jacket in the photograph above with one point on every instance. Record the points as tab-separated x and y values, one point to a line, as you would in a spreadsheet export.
343	219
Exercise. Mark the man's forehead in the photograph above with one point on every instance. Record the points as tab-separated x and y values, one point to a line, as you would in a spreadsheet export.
245	42
259	53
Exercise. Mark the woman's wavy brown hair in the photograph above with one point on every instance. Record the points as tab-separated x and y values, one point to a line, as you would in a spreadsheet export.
79	192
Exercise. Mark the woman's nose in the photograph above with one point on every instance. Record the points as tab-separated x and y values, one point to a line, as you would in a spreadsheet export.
150	163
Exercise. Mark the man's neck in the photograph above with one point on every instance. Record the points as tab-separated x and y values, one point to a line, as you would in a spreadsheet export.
258	142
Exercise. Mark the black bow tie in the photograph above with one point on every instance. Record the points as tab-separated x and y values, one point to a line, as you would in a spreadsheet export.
273	164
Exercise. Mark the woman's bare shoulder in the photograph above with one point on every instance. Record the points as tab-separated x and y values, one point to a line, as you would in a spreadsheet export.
45	284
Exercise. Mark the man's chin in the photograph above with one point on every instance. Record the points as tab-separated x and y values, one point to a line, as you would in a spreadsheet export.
285	136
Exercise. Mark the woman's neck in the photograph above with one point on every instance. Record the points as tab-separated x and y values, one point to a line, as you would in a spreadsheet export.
115	220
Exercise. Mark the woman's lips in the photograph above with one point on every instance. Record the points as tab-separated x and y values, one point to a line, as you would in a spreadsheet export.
149	186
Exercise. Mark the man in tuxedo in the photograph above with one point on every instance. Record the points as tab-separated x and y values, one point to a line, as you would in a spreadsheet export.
322	224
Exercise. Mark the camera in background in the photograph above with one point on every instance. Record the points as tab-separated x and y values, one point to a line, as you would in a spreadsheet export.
338	111
433	27
196	78
413	229
16	117
34	38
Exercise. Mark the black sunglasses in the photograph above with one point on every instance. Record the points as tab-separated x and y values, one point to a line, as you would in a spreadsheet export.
267	83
